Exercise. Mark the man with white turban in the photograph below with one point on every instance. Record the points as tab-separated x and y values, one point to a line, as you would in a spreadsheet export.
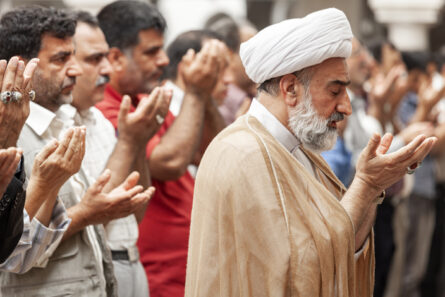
269	217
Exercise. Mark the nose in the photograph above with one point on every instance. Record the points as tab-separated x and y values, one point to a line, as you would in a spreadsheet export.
105	67
74	68
162	59
344	106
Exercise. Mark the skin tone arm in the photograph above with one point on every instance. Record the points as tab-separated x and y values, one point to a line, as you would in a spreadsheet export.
177	148
9	160
376	171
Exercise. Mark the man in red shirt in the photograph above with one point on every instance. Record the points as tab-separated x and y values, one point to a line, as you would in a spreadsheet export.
134	32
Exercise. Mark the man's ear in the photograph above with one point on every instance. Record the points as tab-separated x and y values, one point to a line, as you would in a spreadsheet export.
117	59
291	89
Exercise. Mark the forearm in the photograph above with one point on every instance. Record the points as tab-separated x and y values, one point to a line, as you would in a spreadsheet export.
213	124
145	180
79	221
122	162
40	202
360	208
177	147
420	114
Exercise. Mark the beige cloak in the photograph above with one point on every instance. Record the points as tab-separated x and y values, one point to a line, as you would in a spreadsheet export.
262	225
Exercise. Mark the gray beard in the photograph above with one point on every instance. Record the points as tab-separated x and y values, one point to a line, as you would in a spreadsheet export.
311	129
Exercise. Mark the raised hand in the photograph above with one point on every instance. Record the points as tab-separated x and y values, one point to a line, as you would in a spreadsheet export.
200	71
9	160
378	170
15	79
139	126
99	207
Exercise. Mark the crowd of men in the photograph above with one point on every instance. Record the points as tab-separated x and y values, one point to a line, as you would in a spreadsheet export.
231	163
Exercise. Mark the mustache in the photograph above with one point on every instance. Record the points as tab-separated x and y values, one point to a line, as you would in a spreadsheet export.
336	117
68	82
102	79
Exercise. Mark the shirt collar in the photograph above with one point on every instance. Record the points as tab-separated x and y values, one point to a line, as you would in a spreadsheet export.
39	118
177	98
84	117
273	125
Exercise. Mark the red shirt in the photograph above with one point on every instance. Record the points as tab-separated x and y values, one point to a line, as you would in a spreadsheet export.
164	231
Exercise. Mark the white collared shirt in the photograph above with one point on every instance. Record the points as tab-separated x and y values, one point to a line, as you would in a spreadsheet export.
123	233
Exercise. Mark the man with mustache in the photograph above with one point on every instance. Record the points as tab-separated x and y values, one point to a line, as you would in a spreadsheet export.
81	264
269	216
122	155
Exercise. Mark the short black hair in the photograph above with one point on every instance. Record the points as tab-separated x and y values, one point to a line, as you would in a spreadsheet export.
226	26
178	48
121	22
416	60
87	18
22	29
375	48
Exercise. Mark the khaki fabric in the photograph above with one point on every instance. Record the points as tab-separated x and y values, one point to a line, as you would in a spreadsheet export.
262	225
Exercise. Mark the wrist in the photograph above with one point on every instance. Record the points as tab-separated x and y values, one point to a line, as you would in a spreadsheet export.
365	190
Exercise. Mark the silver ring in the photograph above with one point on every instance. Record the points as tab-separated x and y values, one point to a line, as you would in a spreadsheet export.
16	96
159	119
32	95
6	97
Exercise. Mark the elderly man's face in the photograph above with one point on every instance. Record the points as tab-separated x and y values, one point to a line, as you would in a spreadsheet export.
91	53
314	120
145	63
56	74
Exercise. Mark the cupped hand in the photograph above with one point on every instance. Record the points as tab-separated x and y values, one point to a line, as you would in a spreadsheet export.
200	71
99	207
15	77
9	160
58	161
142	124
378	170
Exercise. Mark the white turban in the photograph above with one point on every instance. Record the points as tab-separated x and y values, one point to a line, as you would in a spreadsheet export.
295	44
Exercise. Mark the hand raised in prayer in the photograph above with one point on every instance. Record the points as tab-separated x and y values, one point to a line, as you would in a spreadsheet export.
9	160
99	207
429	96
201	71
377	170
58	161
14	77
139	126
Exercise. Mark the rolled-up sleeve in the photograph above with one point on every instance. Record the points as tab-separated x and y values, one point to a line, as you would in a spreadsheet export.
38	242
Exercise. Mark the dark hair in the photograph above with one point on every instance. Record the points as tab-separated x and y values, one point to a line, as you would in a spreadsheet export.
179	47
87	18
22	29
375	48
226	26
416	60
121	22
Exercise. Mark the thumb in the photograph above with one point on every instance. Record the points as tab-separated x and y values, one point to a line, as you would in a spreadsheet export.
100	183
124	108
373	143
131	180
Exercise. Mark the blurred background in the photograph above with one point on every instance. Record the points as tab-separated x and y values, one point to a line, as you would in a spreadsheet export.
411	25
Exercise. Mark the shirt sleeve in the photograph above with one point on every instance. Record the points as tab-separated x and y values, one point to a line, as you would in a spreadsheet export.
38	242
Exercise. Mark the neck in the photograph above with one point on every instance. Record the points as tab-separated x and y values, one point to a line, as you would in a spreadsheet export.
276	106
49	105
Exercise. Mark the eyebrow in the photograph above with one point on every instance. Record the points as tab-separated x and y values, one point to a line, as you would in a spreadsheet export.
61	55
340	82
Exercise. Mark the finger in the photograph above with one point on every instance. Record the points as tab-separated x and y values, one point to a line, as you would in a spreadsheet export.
421	152
139	200
83	142
3	64
100	182
29	73
124	108
188	58
147	104
63	146
12	161
165	101
19	76
74	144
373	143
134	191
9	77
131	180
15	161
408	150
385	143
47	150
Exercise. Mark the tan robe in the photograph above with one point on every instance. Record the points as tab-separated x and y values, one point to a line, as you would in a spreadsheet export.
262	225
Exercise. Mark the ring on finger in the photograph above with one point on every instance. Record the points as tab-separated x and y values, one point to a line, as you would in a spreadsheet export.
32	95
159	119
6	97
16	96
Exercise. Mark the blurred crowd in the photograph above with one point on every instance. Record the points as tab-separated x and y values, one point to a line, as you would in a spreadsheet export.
102	131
